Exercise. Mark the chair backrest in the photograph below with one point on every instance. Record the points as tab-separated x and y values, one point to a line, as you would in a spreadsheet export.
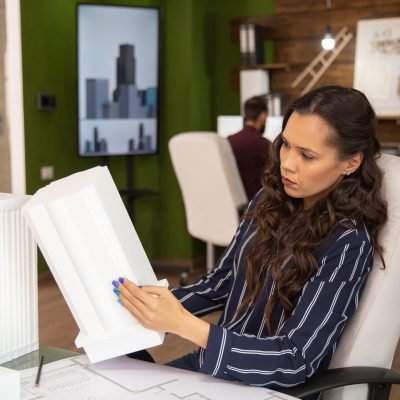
211	186
370	338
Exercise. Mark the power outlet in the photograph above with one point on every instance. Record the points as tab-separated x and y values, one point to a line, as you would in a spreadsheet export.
47	173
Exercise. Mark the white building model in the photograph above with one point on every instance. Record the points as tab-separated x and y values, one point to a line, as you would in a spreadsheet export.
88	240
18	281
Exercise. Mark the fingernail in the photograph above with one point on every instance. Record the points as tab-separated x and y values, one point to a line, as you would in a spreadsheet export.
115	283
119	301
121	280
117	292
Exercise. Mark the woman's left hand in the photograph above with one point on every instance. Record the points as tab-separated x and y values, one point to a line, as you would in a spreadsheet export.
158	309
154	307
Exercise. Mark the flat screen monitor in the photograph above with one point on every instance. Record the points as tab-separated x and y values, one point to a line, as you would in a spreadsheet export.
118	75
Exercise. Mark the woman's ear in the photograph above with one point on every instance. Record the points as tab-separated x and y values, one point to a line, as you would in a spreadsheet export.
353	163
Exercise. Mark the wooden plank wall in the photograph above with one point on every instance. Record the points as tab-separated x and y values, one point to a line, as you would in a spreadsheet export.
296	31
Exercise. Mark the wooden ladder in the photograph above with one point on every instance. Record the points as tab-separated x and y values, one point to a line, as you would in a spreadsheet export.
322	62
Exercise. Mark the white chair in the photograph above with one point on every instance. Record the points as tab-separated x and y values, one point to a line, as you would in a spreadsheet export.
366	349
211	187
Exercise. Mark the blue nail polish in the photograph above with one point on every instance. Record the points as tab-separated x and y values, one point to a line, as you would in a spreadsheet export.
117	292
115	283
119	301
121	280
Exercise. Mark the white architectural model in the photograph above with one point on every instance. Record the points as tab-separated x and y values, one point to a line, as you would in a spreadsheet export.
18	281
10	384
88	240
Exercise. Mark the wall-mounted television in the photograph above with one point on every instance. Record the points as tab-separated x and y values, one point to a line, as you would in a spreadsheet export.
118	79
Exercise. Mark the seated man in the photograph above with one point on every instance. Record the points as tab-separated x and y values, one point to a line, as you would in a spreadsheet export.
250	147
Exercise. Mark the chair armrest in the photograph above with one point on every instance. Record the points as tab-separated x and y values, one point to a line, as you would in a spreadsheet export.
376	378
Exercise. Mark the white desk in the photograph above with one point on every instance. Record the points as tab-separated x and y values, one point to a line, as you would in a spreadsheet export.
123	378
229	124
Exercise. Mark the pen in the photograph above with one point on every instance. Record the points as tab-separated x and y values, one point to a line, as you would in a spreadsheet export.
39	372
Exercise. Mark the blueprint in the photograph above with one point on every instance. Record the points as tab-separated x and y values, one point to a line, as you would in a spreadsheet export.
123	378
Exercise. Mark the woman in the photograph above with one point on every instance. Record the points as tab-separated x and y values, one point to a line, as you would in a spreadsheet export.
294	272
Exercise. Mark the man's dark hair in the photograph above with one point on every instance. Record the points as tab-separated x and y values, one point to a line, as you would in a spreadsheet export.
253	107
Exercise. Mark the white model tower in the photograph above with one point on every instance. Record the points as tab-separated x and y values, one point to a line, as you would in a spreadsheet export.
18	281
88	240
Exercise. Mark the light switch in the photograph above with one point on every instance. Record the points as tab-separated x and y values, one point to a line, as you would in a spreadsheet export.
47	173
45	102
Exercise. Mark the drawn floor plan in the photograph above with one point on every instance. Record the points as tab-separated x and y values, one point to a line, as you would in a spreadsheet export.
123	378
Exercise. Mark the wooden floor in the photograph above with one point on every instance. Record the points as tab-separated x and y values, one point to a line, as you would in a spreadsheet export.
57	328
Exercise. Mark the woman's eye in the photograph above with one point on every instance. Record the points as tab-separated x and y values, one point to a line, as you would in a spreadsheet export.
307	156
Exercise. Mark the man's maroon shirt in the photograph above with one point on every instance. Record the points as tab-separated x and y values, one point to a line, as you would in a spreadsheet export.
251	151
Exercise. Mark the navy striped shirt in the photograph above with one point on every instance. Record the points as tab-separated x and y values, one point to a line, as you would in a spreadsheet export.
239	346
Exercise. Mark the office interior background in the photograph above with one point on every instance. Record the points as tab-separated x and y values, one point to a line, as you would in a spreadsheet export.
198	81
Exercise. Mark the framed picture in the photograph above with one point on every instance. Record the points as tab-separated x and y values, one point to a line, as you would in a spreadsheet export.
377	64
118	65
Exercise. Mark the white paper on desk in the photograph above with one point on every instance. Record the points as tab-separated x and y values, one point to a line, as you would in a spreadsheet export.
88	240
159	382
123	378
66	380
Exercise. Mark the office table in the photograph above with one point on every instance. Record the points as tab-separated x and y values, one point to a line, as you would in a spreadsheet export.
32	359
67	375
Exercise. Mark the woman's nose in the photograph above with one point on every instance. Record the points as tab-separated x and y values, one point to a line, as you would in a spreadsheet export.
288	161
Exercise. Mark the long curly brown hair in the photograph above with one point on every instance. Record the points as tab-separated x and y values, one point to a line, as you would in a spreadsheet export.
289	233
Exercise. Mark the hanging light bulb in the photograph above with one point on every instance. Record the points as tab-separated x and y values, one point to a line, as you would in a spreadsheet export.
328	41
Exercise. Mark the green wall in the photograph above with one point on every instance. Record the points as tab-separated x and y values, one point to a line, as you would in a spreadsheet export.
196	59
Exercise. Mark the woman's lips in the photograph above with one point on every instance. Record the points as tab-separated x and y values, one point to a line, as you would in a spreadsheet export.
287	182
